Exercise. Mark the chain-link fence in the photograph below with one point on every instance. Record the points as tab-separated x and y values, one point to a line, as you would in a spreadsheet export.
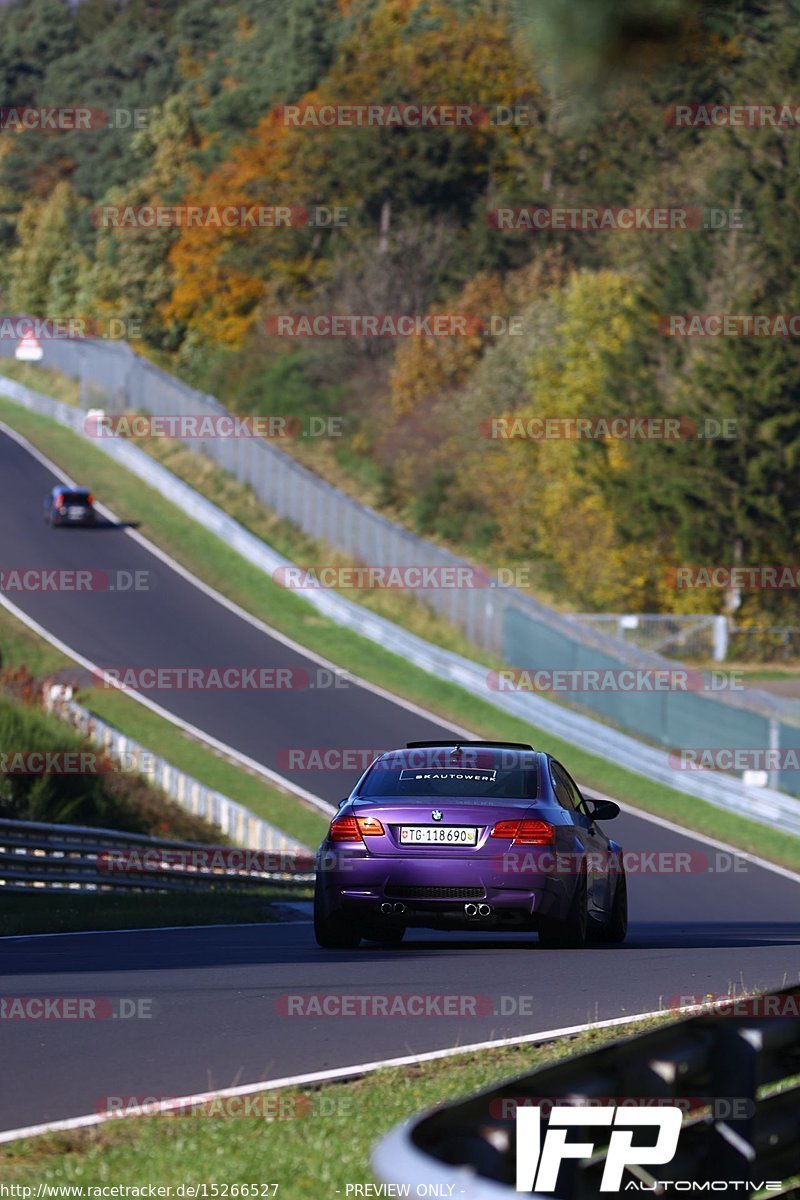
502	620
703	637
693	636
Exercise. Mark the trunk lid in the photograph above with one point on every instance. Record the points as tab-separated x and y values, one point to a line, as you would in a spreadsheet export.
451	816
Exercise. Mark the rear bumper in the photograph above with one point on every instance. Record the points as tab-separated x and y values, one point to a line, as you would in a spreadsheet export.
434	893
64	520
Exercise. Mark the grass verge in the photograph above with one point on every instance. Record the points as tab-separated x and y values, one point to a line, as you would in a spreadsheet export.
209	558
70	914
321	1145
41	379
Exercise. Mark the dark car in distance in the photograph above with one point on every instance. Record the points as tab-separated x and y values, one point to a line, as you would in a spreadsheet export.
69	506
463	835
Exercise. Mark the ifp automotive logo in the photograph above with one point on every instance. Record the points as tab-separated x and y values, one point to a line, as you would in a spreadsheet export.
539	1161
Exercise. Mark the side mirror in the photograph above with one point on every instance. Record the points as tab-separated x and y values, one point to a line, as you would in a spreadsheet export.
602	810
341	802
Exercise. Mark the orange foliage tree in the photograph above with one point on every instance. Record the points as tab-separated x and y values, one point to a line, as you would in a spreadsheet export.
398	51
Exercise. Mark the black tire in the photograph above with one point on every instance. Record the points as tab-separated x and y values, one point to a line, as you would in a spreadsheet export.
331	930
391	936
616	927
571	933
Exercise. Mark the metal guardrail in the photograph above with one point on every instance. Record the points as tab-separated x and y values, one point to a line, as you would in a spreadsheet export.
735	1079
36	857
232	818
767	806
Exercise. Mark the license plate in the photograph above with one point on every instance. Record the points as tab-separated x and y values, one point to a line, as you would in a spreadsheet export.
447	835
76	512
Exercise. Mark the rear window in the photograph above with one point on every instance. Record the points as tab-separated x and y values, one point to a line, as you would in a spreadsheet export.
75	497
506	776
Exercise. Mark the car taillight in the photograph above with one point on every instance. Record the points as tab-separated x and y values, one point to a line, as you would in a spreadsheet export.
345	829
534	833
370	826
59	501
525	833
505	829
90	499
353	829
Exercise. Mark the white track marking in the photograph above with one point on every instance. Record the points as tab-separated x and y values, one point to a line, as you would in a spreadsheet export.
318	1077
26	937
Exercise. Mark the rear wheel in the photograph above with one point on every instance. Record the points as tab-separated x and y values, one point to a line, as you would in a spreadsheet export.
569	934
331	930
616	927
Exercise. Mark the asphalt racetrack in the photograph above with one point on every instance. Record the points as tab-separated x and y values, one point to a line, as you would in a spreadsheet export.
210	1006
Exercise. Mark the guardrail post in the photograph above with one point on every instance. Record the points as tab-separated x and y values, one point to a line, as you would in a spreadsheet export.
774	744
720	638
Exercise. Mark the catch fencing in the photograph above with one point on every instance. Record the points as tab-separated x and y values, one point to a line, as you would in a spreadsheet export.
675	635
515	627
698	636
38	857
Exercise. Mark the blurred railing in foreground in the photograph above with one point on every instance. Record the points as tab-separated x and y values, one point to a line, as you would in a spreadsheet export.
733	1077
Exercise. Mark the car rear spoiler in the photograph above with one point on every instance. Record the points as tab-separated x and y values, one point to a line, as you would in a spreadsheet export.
457	742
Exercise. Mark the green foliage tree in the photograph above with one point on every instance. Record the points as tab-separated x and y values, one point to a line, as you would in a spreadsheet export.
46	264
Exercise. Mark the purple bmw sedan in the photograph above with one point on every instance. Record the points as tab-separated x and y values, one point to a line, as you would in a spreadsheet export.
469	835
